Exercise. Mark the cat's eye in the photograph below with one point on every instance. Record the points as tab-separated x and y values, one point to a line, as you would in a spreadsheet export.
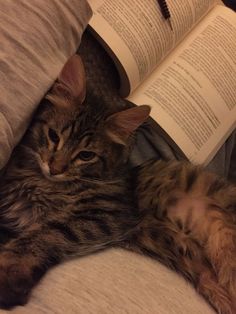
86	155
52	134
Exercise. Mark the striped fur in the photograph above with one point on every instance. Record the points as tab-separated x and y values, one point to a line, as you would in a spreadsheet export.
66	190
80	209
189	224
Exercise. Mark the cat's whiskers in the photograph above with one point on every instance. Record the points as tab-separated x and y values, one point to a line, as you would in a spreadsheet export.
100	181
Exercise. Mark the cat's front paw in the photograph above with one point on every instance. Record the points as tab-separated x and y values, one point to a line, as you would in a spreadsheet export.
15	285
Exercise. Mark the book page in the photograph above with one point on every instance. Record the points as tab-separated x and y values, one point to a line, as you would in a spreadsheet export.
193	92
138	35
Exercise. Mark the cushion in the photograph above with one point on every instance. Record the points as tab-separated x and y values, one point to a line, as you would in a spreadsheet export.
113	282
36	37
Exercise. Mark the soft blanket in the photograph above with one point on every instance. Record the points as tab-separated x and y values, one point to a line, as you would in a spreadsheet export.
36	37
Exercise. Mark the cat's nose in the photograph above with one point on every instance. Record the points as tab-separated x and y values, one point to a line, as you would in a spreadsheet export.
57	168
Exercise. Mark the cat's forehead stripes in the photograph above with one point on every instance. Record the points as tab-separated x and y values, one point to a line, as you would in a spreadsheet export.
67	127
86	138
84	143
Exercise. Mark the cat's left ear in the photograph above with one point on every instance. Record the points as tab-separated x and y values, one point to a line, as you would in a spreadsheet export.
121	125
71	83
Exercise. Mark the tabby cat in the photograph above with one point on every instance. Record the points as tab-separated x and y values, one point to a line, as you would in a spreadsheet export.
67	191
189	224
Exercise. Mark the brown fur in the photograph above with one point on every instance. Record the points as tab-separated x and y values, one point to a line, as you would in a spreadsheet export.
189	225
67	191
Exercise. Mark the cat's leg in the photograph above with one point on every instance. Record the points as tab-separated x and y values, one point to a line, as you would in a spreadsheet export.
180	195
16	279
216	234
194	266
221	250
171	244
193	263
215	230
221	243
215	294
24	260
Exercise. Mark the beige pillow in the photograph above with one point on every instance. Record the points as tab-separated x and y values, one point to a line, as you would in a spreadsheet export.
36	38
113	282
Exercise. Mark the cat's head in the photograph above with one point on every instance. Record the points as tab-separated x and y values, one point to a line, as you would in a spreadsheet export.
74	138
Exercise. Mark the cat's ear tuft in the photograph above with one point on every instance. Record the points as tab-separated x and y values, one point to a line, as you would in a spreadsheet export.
71	83
121	125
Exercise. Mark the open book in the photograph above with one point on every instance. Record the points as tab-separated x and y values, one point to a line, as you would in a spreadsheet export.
187	75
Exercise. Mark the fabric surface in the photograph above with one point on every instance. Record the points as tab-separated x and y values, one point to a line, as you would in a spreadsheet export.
36	37
113	282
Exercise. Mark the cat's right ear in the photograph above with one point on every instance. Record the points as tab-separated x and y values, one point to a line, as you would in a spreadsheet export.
71	83
121	125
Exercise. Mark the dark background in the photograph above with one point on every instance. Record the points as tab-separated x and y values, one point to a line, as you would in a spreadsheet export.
230	3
